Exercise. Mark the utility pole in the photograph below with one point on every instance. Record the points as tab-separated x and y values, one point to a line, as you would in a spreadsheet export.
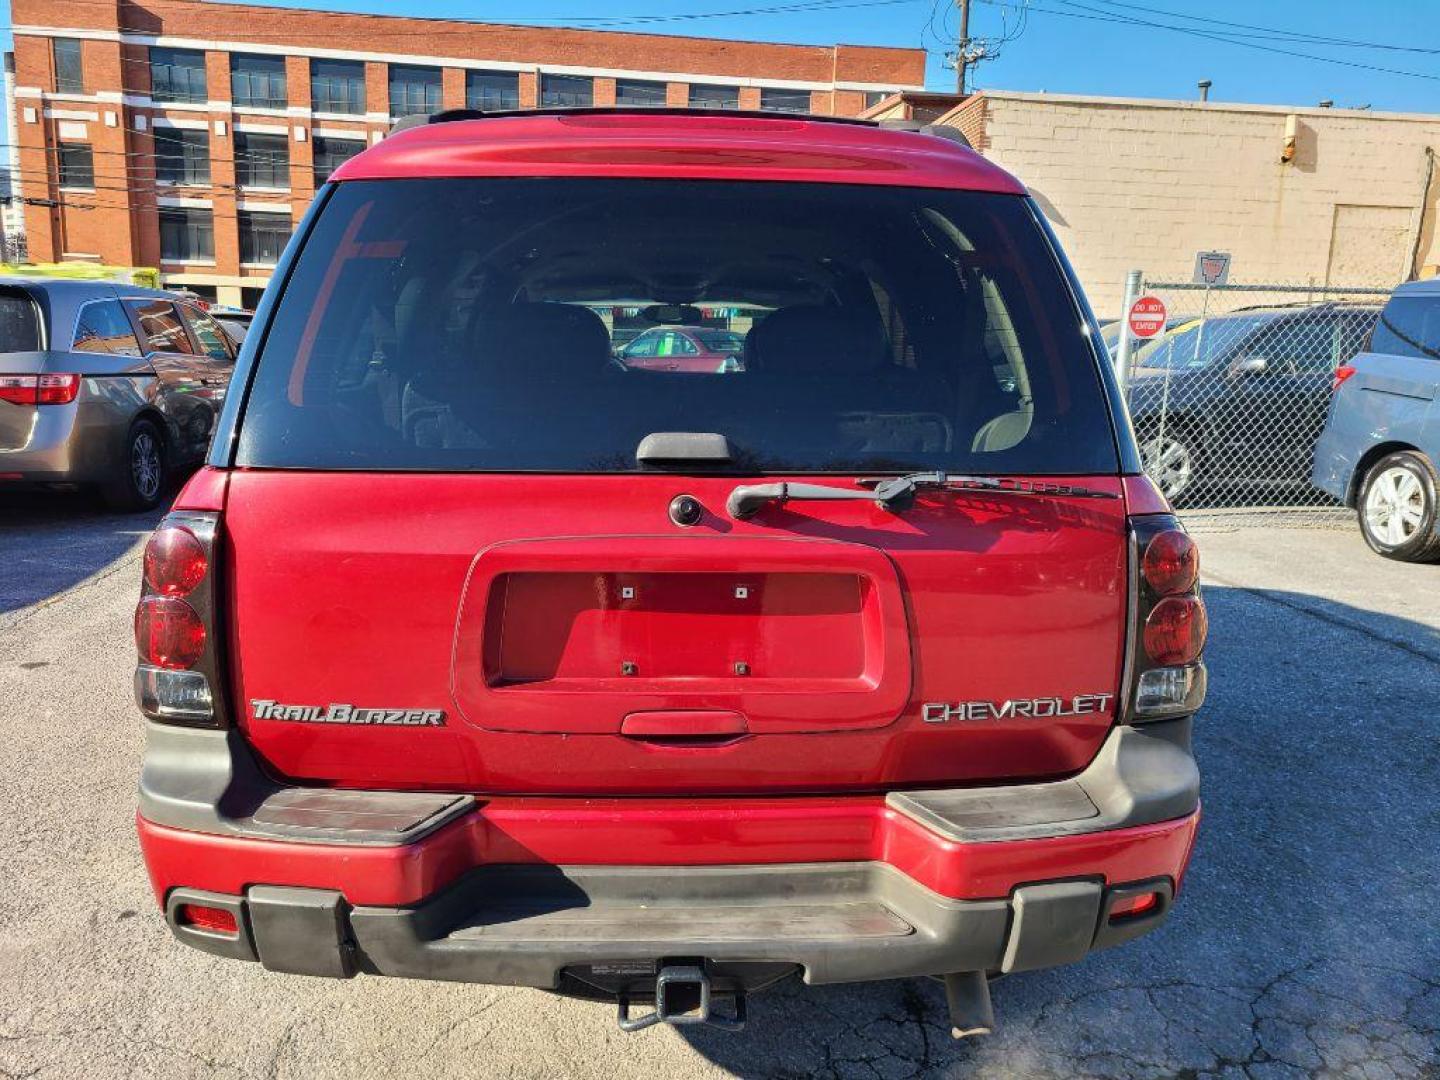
962	54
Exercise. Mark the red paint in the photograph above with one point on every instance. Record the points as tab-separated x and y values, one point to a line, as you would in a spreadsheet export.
957	598
204	491
657	832
658	146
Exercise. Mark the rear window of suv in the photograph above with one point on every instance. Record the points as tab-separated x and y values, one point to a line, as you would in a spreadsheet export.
471	325
1409	326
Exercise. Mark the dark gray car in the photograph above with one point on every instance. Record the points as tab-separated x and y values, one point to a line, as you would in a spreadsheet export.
105	386
1380	448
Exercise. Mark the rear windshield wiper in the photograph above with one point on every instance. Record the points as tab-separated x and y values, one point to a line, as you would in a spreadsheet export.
895	492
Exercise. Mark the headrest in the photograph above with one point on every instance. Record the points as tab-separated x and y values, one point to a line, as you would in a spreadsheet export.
808	339
541	341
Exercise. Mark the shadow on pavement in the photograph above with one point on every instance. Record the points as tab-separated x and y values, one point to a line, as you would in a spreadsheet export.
52	541
1304	941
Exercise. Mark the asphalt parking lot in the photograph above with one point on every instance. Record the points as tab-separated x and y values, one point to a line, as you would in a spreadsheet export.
1307	940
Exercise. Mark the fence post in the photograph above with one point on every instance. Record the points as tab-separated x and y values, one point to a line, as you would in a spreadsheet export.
1122	354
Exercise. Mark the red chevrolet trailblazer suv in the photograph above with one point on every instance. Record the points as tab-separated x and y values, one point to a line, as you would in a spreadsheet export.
477	654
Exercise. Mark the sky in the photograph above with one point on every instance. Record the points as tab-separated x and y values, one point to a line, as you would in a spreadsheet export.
1295	52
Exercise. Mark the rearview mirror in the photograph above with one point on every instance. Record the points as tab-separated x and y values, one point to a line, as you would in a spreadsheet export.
1251	365
672	314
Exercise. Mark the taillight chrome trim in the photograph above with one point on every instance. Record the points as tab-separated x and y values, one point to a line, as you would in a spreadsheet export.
153	682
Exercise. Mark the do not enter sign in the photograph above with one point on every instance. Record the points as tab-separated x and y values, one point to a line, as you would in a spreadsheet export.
1147	317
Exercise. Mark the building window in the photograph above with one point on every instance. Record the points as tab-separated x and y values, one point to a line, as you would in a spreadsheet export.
492	91
789	101
567	91
874	97
337	86
186	234
257	82
77	166
414	91
714	97
177	75
331	153
262	160
182	155
69	75
632	92
262	237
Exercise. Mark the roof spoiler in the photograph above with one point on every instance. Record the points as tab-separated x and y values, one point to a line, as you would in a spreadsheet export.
940	131
446	116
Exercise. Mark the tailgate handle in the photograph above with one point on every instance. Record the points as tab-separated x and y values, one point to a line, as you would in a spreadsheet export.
684	724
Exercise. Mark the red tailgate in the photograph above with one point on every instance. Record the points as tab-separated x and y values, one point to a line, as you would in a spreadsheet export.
790	652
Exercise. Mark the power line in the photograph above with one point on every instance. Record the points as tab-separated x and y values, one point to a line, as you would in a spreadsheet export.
1315	39
1098	15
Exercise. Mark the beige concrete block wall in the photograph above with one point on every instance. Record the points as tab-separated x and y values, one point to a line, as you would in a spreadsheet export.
1136	184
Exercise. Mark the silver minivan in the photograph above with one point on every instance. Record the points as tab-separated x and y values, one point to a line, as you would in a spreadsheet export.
1380	450
106	387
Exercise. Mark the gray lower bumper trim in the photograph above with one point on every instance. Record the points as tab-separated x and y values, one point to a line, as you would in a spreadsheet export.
523	925
1141	775
209	781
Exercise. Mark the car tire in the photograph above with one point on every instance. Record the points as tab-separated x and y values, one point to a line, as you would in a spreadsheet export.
142	474
1170	460
1398	508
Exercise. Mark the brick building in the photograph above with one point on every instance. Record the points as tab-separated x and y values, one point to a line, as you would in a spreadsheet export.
1310	196
191	136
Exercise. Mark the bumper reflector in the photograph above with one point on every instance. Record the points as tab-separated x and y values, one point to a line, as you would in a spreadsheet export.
174	696
212	919
1130	906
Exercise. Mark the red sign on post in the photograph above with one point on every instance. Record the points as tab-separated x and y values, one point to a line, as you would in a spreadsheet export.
1147	317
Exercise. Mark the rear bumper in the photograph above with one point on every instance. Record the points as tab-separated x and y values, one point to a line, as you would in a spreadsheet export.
516	891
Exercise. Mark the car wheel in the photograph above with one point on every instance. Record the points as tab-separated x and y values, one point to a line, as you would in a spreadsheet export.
1169	461
139	480
1398	508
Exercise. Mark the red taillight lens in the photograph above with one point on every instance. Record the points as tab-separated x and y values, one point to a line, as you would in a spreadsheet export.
1343	372
174	561
19	389
168	632
1175	630
1171	563
57	389
39	389
202	917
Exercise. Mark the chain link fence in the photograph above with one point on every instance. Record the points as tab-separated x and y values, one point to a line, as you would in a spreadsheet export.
1229	399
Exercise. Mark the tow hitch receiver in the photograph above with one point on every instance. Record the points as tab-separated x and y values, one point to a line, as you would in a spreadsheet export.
682	996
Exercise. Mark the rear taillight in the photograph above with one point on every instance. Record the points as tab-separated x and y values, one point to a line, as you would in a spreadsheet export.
174	623
1171	563
168	632
60	389
1343	372
1167	676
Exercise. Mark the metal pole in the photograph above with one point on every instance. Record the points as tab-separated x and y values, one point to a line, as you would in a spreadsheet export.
961	60
1122	354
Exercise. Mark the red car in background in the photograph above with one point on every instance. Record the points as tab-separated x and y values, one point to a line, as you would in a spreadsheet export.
699	349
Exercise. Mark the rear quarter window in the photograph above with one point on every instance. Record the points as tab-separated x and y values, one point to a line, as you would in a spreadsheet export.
102	327
478	325
1409	326
20	329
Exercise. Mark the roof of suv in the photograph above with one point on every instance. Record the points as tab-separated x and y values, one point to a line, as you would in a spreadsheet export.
663	143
